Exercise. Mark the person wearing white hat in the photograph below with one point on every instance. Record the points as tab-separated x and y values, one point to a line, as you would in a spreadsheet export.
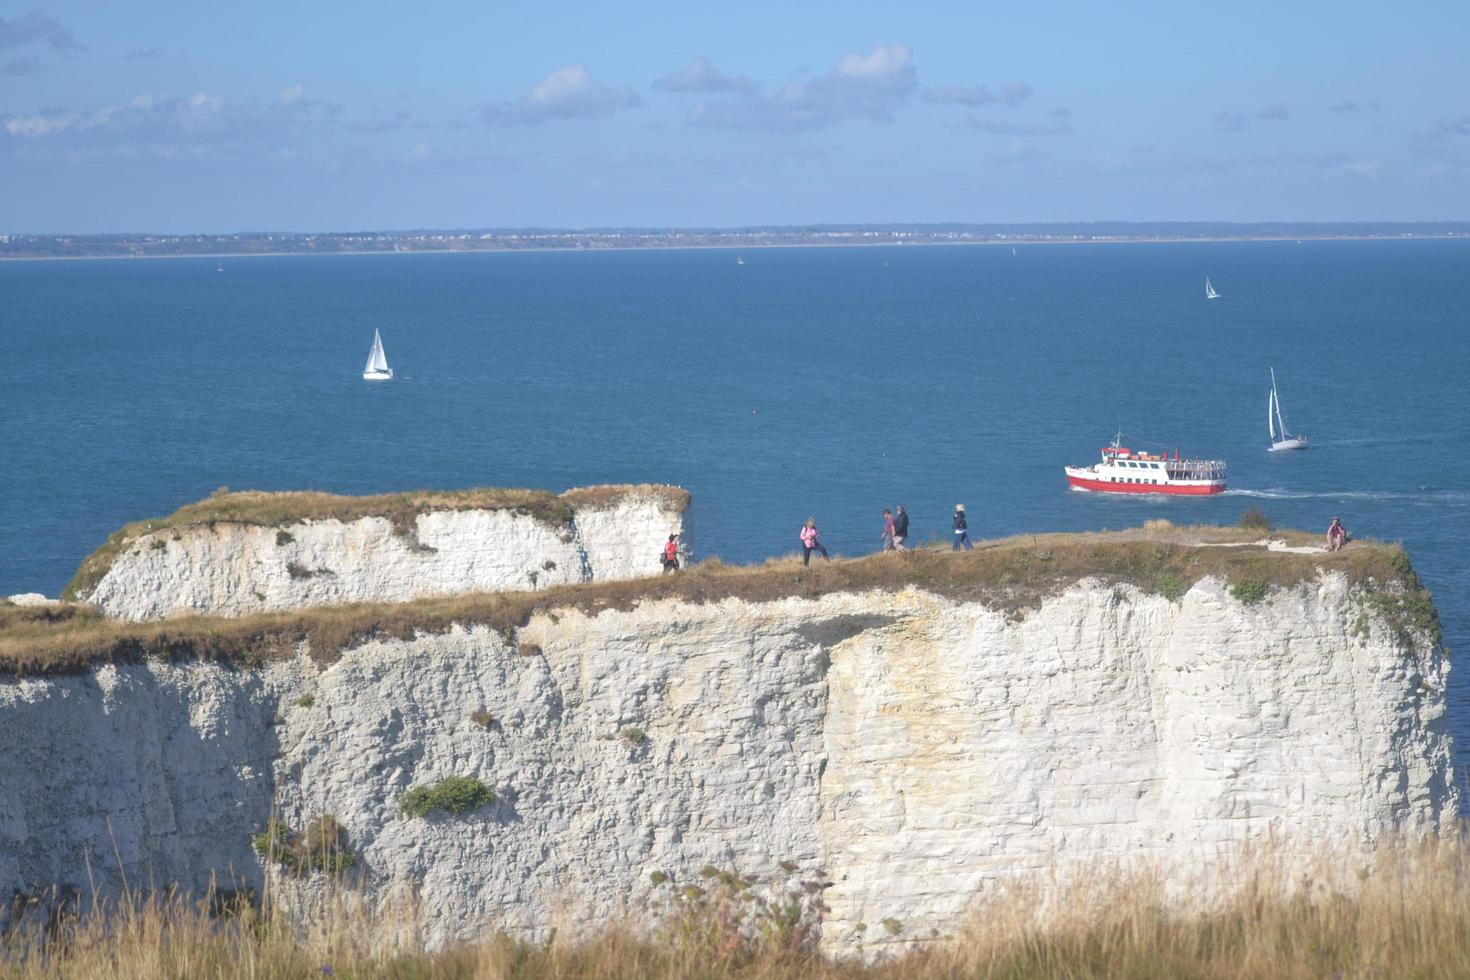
961	529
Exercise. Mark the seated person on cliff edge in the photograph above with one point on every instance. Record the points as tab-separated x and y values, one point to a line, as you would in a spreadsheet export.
671	554
1337	536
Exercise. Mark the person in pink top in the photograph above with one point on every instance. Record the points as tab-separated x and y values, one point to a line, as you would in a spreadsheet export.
809	542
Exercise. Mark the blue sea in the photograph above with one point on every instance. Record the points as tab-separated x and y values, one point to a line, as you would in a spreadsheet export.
825	382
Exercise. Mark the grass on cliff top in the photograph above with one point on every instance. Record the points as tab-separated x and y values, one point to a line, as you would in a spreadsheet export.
1012	574
1402	912
402	509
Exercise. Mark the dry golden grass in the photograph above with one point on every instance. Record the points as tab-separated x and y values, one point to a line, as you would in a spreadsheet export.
402	509
1011	574
609	494
1404	912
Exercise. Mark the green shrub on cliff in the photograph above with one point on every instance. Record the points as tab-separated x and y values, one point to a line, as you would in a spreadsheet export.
322	846
456	794
1249	591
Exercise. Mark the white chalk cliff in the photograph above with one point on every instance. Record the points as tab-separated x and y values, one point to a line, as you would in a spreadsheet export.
914	749
232	569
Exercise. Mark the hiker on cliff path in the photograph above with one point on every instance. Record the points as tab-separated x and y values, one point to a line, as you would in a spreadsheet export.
961	530
888	529
900	529
671	554
809	542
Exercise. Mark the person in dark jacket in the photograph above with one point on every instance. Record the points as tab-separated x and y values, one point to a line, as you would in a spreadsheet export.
961	529
900	529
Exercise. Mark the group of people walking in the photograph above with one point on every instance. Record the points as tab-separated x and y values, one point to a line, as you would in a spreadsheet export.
895	533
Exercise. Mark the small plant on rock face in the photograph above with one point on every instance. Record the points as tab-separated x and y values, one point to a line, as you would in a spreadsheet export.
306	701
483	718
322	846
1171	585
456	795
633	735
1249	591
283	538
892	926
298	571
158	544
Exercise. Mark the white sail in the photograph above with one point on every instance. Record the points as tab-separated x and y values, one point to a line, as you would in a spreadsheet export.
377	362
1271	414
1210	290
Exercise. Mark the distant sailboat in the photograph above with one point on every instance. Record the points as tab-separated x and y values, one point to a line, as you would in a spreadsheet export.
377	368
1281	440
739	260
219	267
1013	251
1210	290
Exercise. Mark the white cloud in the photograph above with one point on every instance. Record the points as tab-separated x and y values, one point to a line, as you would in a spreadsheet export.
702	76
292	94
1010	94
1370	169
569	92
867	86
1019	129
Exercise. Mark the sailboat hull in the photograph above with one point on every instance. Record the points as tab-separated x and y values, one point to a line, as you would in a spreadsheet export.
378	375
1286	445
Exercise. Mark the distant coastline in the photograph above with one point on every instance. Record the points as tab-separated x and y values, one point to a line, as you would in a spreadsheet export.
243	245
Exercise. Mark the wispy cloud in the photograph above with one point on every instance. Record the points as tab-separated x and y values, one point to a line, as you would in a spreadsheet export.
23	65
170	127
700	75
1230	122
384	124
1002	128
144	54
1351	105
1011	94
867	86
1369	169
36	26
1275	111
569	92
1447	127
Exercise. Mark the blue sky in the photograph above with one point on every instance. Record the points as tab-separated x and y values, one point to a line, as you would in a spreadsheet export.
205	116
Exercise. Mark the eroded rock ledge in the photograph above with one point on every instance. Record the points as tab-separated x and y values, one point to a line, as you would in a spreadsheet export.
240	553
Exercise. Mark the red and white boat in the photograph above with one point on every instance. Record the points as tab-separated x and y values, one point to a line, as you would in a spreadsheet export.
1122	470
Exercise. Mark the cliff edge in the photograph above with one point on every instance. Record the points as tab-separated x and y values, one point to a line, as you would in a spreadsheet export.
246	552
917	728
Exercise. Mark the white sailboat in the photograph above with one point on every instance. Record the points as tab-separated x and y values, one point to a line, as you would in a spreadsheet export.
739	260
219	267
377	368
1281	440
1210	290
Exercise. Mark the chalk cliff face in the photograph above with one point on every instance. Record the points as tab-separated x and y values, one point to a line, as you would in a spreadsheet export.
914	749
231	569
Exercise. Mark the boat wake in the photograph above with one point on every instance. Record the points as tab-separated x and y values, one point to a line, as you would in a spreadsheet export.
1422	494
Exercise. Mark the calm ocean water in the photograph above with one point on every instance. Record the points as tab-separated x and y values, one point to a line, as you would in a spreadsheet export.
829	382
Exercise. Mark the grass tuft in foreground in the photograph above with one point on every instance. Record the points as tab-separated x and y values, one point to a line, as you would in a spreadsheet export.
1403	912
